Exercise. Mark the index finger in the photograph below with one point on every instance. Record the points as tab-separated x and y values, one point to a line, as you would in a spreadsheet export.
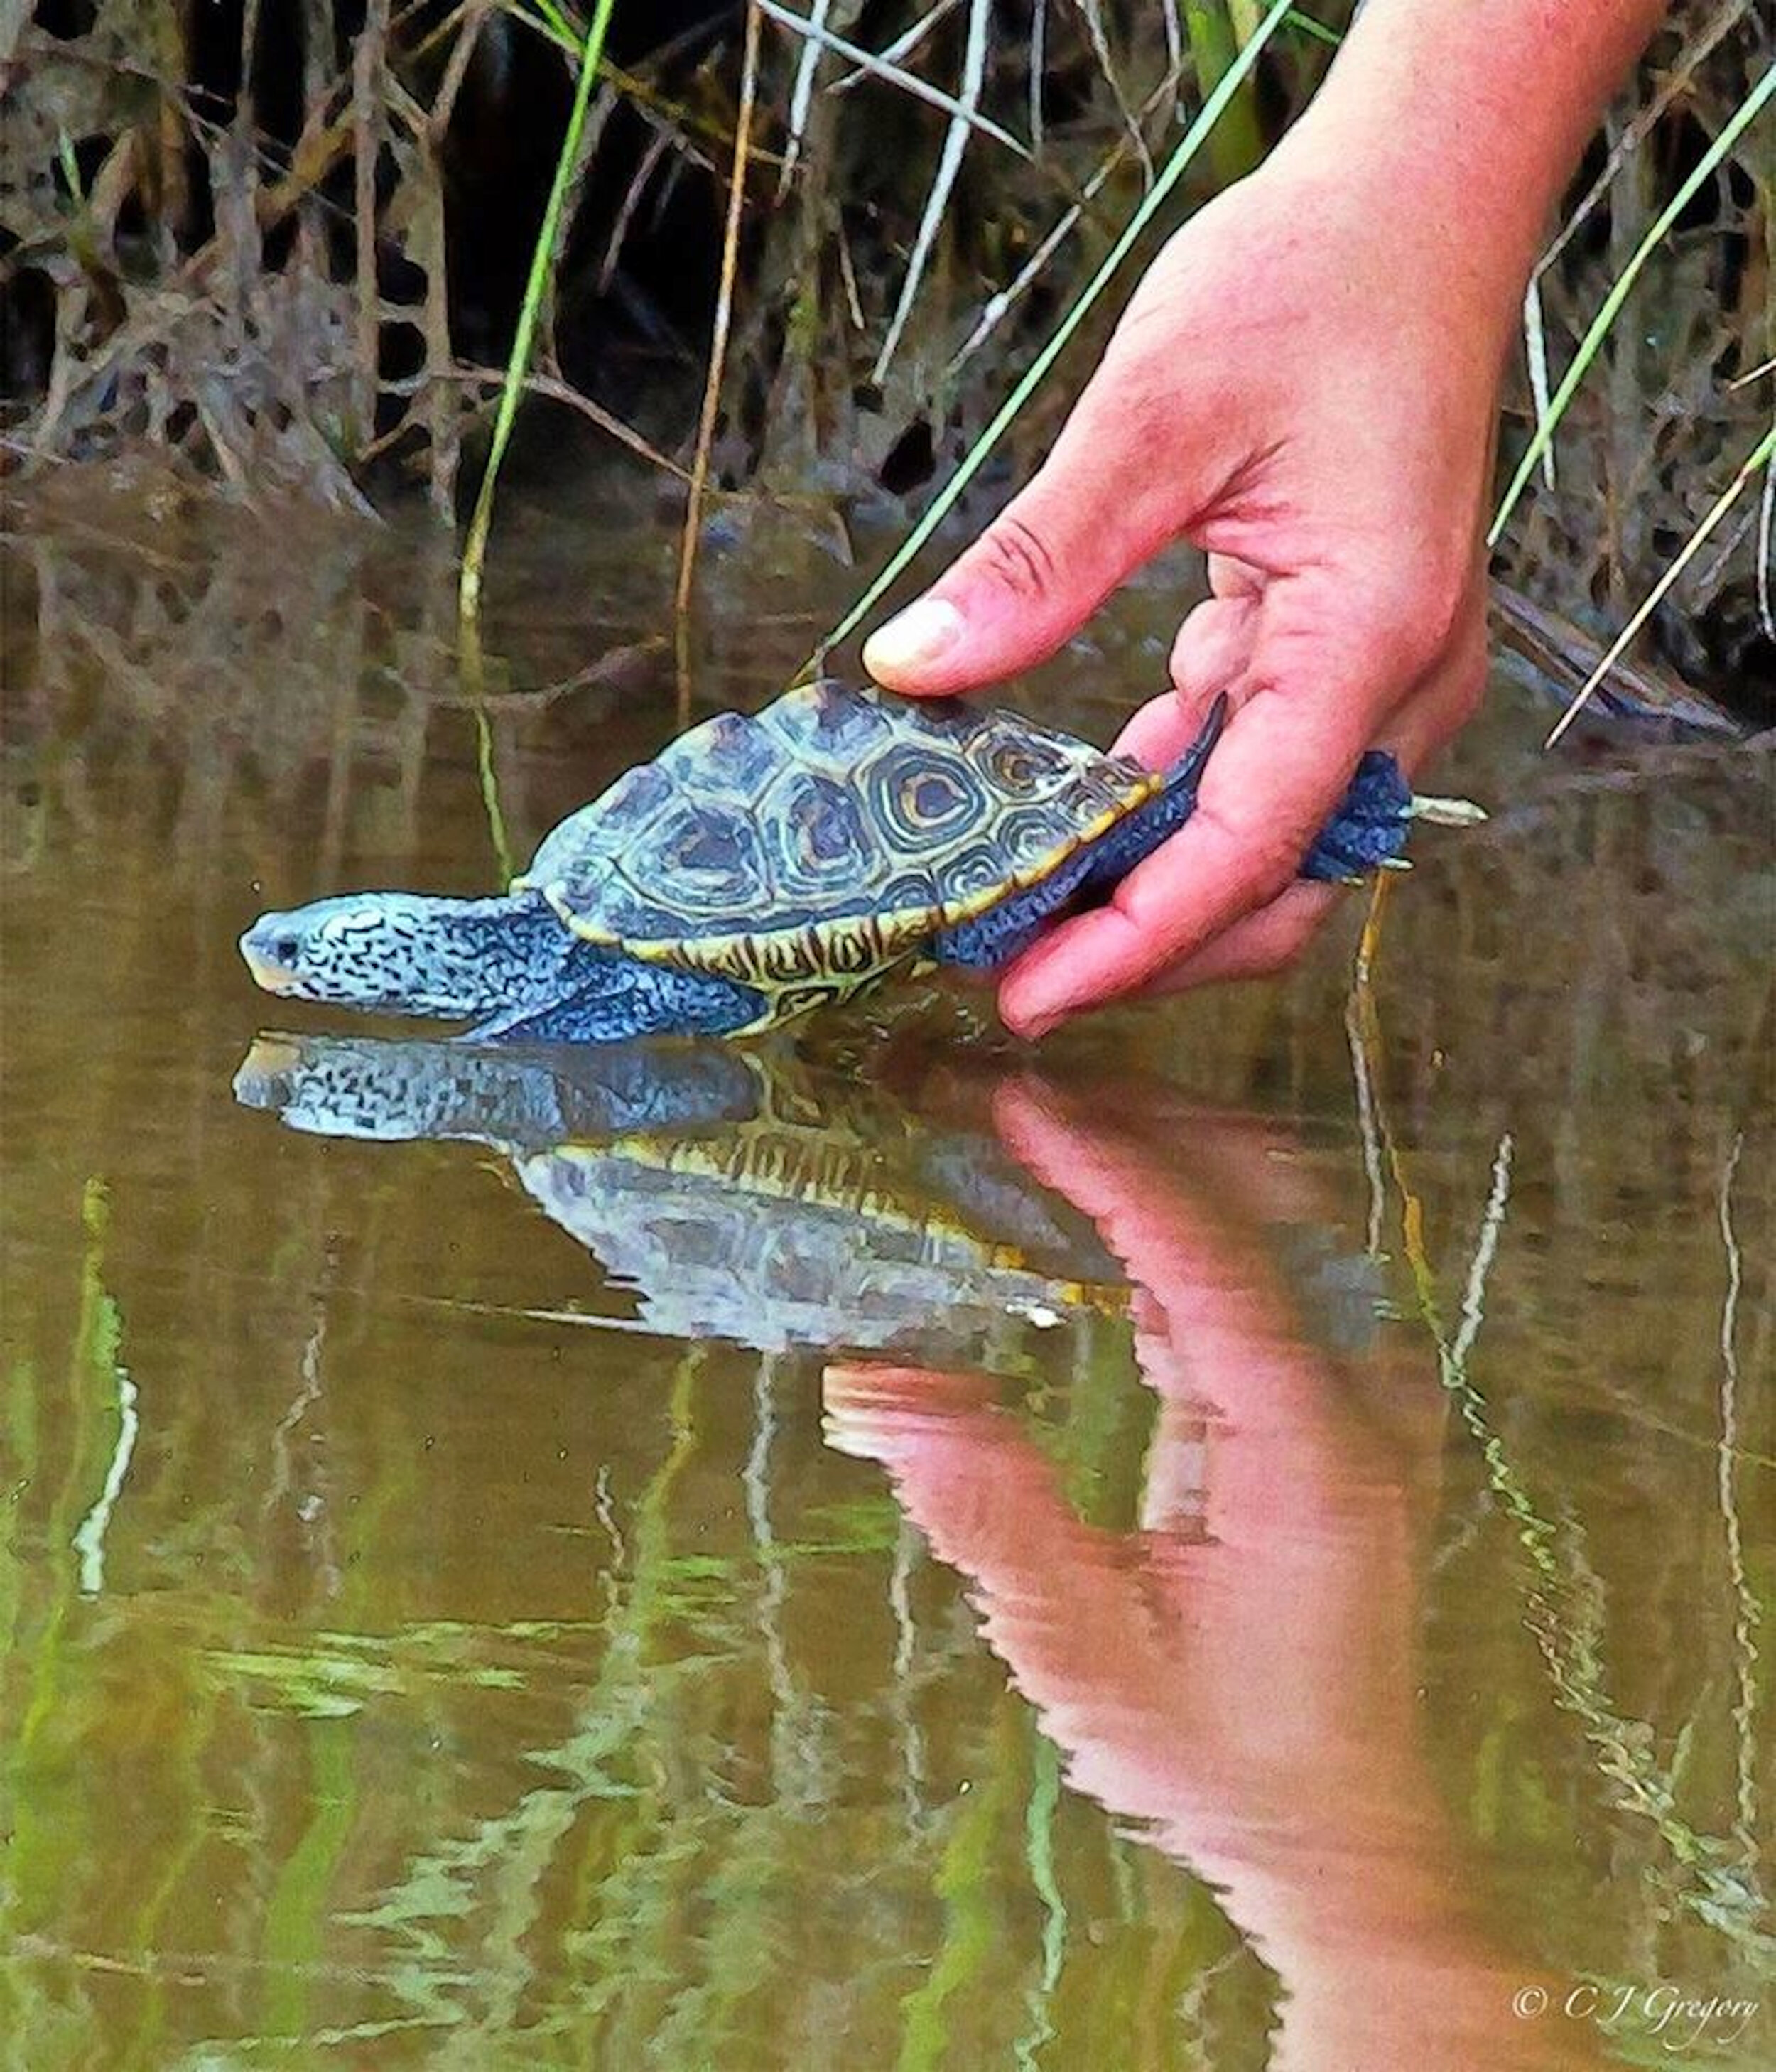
1135	461
1270	786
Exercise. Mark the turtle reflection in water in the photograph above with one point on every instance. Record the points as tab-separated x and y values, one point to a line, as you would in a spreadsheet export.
748	1198
761	865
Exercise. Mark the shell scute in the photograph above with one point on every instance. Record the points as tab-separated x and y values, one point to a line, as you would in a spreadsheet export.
615	821
827	725
820	842
730	756
922	800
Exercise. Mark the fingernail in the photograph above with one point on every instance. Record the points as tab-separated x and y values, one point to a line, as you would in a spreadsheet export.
920	635
1033	1025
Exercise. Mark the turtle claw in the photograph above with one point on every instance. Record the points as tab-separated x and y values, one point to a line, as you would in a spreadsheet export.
1447	812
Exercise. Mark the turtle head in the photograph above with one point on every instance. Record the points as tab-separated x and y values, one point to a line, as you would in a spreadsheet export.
407	954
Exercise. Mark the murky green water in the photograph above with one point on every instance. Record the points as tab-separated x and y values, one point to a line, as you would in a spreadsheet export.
1245	1539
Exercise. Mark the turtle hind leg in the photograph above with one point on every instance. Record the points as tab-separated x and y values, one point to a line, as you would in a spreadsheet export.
1369	829
1006	931
607	998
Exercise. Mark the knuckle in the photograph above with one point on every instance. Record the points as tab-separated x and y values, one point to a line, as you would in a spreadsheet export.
1016	556
1401	626
1282	935
1271	961
1277	852
1137	399
1296	934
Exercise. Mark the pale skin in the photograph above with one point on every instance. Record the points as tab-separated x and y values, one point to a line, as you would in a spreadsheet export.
1305	385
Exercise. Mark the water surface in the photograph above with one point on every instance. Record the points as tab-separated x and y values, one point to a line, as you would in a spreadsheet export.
1243	1538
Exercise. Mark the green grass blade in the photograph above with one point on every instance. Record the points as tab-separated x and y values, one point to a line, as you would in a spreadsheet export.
1216	34
1040	1815
1743	116
474	553
1317	30
549	19
944	502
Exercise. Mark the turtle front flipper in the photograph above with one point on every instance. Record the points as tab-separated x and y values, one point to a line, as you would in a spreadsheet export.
619	997
1368	832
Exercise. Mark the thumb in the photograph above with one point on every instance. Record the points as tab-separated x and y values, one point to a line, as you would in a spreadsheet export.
1107	498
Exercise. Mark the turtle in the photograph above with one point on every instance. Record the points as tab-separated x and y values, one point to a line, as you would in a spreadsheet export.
763	864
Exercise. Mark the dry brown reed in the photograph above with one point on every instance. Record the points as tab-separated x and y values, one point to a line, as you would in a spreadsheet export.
300	292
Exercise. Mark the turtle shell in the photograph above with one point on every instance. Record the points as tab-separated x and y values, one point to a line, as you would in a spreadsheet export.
815	843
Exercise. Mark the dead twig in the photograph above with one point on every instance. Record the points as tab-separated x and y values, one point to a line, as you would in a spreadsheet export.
554	390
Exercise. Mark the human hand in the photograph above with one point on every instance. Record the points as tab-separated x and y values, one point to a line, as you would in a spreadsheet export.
1304	385
1237	1669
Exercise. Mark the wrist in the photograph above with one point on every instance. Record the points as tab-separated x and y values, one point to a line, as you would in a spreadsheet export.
1406	240
1451	131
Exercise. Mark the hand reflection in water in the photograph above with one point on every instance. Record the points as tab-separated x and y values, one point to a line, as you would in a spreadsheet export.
1247	1689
